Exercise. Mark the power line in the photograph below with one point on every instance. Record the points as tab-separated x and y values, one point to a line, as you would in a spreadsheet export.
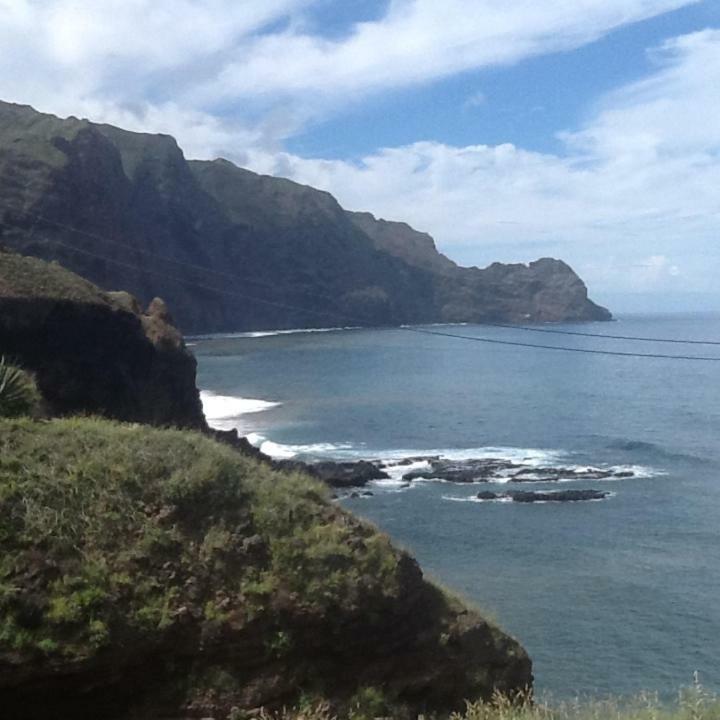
423	331
494	341
142	251
601	335
235	278
182	281
345	318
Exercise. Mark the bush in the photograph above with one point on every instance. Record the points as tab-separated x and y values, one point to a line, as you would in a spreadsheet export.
18	392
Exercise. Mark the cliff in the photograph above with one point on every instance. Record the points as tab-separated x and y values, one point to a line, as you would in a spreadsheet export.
232	250
95	352
152	573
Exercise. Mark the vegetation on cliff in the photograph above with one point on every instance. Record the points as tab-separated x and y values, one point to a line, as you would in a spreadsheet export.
18	392
147	572
691	703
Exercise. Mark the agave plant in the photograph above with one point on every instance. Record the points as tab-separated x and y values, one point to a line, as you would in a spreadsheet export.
18	392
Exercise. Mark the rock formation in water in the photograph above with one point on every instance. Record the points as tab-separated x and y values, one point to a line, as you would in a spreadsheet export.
232	250
534	496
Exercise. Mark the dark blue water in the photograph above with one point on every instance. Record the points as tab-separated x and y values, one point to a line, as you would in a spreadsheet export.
610	596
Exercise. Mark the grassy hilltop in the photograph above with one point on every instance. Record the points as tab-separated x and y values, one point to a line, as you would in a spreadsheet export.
153	573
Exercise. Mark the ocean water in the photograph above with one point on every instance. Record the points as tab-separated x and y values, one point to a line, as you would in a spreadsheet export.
611	596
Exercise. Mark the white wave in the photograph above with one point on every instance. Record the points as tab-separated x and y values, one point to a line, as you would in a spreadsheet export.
255	439
391	483
225	412
474	499
394	462
270	333
280	451
533	457
224	407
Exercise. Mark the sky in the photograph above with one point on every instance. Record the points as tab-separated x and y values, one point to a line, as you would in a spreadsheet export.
509	129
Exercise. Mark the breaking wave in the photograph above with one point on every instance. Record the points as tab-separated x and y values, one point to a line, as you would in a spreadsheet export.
268	333
225	412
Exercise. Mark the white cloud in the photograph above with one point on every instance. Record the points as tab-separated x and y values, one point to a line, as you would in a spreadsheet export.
128	61
207	57
639	183
421	40
476	99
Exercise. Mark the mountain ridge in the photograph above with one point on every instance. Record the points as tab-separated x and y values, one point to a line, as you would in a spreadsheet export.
233	250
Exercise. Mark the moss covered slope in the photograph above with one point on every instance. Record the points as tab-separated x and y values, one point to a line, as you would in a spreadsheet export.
153	573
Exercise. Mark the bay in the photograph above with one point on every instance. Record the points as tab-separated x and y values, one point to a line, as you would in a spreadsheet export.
612	596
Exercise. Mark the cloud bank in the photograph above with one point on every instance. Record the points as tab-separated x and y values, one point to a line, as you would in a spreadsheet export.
631	201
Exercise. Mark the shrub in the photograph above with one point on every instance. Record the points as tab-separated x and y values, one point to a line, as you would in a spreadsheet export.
18	392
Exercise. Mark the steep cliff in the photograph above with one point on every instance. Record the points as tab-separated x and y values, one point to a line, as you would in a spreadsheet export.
230	249
95	352
399	239
547	290
156	574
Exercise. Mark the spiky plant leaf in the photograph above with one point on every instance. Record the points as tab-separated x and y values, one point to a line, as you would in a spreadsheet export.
18	392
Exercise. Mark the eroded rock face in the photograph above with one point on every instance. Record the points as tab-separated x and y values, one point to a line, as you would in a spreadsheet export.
229	249
93	352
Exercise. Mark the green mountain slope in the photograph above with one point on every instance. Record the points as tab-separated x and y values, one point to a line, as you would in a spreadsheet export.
229	249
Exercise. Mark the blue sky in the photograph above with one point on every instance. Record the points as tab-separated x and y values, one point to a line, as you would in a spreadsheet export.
525	103
508	129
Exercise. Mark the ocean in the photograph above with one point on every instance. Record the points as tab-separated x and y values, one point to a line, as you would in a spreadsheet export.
611	596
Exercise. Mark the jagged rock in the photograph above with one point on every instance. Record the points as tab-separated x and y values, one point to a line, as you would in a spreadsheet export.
555	496
347	474
463	471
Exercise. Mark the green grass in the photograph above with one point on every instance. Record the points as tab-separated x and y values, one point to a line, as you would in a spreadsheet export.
111	532
691	703
27	277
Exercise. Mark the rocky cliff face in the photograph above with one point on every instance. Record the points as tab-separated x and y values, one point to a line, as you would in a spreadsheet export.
230	249
95	352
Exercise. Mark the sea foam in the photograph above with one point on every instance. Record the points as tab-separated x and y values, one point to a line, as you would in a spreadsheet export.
268	333
224	412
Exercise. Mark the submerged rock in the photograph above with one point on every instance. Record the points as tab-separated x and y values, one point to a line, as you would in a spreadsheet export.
520	496
346	474
463	471
494	469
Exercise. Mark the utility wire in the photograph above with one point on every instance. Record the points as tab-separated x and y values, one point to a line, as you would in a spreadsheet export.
601	335
142	251
194	266
494	341
417	330
183	281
